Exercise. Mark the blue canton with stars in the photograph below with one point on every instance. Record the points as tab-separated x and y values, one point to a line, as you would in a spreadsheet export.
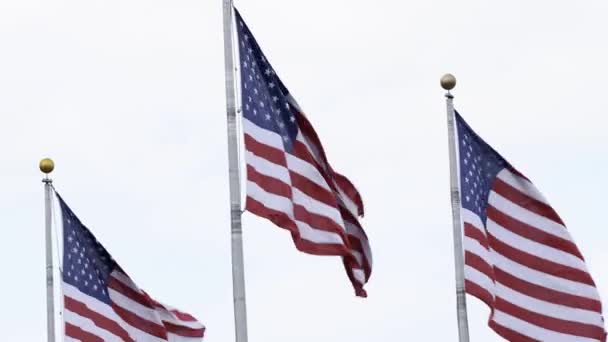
479	166
264	98
86	264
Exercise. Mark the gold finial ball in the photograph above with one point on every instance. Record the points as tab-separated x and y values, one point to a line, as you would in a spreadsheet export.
47	165
448	82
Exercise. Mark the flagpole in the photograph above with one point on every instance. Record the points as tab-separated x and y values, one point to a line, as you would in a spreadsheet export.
47	166
448	82
238	270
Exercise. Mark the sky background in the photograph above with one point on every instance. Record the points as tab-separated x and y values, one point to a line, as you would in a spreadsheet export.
127	96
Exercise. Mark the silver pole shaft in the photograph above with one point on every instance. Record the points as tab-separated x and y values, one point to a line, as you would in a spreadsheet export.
50	293
238	272
461	303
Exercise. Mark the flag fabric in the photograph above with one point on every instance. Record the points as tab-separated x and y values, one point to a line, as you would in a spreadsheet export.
519	257
289	180
101	302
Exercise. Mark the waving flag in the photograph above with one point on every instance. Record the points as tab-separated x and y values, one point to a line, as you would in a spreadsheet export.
101	302
289	180
519	258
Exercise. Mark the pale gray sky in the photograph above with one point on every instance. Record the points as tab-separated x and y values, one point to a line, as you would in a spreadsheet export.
128	97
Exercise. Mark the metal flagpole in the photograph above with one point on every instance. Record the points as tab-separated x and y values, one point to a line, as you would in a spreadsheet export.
47	166
238	272
448	82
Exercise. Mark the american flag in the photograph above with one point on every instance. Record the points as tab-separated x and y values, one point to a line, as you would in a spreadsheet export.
519	257
289	180
101	302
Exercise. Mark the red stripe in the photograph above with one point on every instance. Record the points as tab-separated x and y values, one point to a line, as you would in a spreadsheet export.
476	262
306	152
282	220
152	328
550	323
182	316
79	334
267	152
349	189
532	233
184	331
313	190
98	319
301	151
358	245
474	233
332	179
510	335
545	294
539	264
479	292
517	173
318	222
525	201
277	217
311	136
355	243
359	291
268	183
128	292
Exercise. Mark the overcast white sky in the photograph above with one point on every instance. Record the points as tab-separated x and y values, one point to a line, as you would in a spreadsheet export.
128	97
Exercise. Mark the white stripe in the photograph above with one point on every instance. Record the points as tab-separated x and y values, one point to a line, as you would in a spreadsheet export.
105	310
306	170
294	103
268	168
317	207
91	302
544	279
311	147
532	247
521	184
88	326
523	215
548	309
357	232
177	338
283	204
472	218
534	331
161	312
348	203
270	200
318	236
473	246
359	275
134	307
156	316
358	257
475	276
69	339
167	316
262	135
125	280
